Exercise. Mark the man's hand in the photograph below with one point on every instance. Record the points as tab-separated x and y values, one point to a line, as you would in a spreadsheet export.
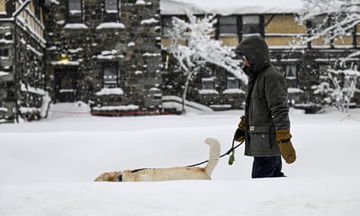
286	148
239	135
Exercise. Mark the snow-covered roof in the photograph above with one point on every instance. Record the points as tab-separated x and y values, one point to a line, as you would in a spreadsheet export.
178	7
227	7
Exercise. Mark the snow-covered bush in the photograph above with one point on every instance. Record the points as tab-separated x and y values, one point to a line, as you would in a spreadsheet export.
340	88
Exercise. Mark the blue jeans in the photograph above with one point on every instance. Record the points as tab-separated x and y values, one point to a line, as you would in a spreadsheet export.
264	167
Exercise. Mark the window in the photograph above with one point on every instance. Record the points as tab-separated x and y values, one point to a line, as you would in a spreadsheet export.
111	6
208	83
75	11
228	26
4	52
319	22
166	26
323	72
291	75
290	72
111	10
251	25
37	9
110	75
232	83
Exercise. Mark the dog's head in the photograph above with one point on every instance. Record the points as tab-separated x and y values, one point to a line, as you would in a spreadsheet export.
110	176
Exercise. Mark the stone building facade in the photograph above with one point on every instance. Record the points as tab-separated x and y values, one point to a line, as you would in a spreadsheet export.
22	46
106	53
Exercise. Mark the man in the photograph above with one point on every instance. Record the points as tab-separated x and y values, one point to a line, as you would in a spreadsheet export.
265	126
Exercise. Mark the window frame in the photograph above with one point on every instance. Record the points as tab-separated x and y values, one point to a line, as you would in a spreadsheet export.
4	52
107	83
288	70
231	79
244	26
166	24
207	82
112	15
74	17
223	23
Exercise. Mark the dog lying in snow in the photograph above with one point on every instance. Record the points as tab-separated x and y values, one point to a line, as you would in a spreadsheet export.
164	174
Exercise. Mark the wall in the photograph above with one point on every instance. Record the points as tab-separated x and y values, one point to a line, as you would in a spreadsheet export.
281	30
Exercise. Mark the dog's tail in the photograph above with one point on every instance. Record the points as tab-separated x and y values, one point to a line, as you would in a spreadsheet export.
213	155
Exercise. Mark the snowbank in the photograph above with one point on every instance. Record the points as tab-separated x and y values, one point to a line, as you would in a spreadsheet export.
47	167
226	7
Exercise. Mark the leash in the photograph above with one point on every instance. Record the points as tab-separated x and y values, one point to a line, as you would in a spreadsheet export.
231	159
231	150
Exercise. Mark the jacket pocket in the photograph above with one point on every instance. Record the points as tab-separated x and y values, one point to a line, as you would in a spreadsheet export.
259	138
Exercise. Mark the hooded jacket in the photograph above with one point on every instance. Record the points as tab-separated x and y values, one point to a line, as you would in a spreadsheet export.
266	107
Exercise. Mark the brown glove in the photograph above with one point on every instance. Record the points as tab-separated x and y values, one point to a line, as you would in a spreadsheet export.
239	135
286	149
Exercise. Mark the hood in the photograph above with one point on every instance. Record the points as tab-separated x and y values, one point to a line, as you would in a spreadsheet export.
256	51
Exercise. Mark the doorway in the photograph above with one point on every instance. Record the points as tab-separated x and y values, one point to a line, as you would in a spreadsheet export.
66	85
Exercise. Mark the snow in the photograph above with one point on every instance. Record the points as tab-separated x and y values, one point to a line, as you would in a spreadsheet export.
54	1
233	91
3	73
226	7
123	108
200	47
170	101
29	110
47	167
4	41
110	91
149	21
46	100
35	51
73	63
75	26
30	89
140	2
75	50
147	54
110	25
295	90
208	91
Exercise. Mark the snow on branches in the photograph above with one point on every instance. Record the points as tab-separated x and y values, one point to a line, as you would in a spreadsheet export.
330	20
193	47
341	89
200	47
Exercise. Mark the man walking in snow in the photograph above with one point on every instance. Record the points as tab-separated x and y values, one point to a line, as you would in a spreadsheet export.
265	126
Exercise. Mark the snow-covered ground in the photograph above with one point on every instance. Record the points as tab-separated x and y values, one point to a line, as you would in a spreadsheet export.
48	167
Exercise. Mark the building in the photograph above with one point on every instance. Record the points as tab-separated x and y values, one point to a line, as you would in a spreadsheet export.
22	46
276	23
112	54
106	53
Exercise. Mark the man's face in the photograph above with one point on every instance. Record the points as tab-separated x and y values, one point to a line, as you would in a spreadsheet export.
246	62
